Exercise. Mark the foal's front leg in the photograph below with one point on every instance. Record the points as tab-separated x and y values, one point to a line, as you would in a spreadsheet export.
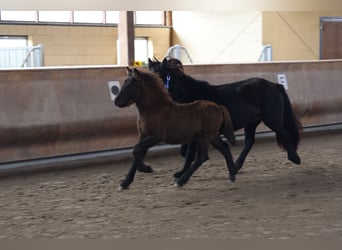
139	153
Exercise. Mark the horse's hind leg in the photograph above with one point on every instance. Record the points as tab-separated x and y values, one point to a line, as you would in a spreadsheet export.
225	151
189	158
183	149
201	156
285	139
248	144
283	136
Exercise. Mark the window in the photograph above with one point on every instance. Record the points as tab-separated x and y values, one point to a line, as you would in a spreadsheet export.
81	17
88	16
13	41
141	49
19	16
54	16
149	17
112	17
13	51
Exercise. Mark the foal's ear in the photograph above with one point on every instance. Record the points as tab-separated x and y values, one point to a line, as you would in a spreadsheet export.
136	72
129	71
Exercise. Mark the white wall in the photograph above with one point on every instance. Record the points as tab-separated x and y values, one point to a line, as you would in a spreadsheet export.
219	37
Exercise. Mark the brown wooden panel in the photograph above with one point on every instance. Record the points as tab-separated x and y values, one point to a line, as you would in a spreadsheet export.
48	112
331	40
57	111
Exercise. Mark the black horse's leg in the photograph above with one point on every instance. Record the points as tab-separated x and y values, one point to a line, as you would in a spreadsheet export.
189	158
225	151
274	120
139	153
285	138
249	142
201	156
183	150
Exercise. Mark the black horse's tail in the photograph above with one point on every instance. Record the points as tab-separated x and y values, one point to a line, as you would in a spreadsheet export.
227	128
291	123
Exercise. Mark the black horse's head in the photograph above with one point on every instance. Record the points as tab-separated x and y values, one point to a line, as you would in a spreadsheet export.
154	65
172	73
130	90
168	66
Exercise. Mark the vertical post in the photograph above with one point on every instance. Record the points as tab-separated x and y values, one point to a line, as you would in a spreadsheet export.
126	38
168	18
39	56
168	22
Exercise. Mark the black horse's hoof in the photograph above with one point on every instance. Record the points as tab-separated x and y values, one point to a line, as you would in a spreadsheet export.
177	175
232	178
123	187
145	169
179	184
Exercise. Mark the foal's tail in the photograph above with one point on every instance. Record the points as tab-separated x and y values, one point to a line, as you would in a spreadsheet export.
291	123
227	128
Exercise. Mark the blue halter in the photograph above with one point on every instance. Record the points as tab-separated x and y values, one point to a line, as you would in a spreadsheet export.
167	83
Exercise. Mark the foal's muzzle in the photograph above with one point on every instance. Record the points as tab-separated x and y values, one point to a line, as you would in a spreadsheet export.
121	103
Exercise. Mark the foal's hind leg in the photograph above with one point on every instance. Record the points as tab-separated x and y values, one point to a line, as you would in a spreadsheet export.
201	156
225	151
189	158
249	142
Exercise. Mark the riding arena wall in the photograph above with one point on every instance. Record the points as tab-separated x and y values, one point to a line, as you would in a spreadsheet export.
47	112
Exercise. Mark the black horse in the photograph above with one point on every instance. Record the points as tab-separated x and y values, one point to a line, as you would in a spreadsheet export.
249	102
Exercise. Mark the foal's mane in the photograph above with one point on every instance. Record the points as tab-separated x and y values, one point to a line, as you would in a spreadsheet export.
153	83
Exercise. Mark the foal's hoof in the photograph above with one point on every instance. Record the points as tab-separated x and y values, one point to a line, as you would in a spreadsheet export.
145	169
123	186
232	178
295	159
